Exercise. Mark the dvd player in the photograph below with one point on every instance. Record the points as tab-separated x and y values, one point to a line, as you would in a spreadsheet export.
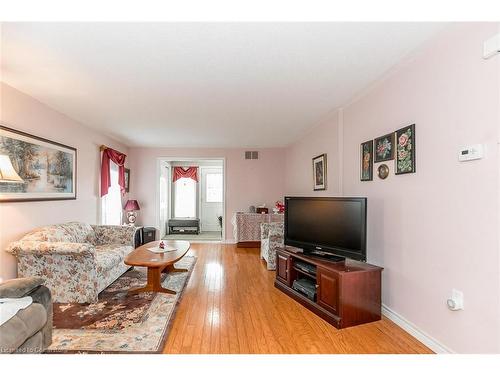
305	287
306	267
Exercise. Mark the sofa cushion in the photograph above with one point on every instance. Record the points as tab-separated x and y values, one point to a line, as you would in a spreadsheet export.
51	233
108	256
35	344
80	232
69	232
34	316
20	327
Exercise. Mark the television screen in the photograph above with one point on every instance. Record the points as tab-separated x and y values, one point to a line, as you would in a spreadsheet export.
335	226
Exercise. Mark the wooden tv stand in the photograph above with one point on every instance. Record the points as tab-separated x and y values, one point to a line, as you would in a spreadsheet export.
348	292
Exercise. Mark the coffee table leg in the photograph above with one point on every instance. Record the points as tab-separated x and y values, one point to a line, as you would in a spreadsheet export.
153	284
172	269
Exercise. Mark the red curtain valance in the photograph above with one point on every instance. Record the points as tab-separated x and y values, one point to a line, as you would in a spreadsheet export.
119	159
191	172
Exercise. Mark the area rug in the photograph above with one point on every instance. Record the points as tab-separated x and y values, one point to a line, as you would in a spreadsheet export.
121	322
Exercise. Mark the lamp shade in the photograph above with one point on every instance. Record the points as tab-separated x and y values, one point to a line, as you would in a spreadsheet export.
132	205
7	171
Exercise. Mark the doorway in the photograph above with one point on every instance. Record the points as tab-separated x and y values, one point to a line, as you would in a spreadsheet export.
191	198
211	199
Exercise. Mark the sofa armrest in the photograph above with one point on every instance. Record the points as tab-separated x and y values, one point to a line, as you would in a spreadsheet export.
49	248
17	288
115	234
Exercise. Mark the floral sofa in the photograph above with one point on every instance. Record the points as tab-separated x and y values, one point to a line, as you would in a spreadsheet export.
271	238
76	260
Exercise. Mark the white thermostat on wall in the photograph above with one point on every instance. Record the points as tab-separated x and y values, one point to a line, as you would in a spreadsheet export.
471	152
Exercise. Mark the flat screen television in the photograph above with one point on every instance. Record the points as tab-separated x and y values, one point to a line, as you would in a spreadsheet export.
331	227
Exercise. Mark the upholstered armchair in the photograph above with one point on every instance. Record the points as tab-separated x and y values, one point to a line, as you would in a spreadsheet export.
29	330
76	260
271	239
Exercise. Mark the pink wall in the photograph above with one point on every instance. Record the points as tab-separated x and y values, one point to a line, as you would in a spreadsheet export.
24	113
436	229
248	182
323	138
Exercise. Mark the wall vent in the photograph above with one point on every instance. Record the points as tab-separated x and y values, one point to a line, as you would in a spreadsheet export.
251	155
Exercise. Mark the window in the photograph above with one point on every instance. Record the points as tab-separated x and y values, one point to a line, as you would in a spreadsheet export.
185	198
111	203
214	188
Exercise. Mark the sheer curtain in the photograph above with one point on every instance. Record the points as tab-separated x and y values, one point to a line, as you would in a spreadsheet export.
185	198
111	203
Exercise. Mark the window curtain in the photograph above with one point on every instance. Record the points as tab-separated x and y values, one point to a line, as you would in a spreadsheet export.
111	203
119	159
180	172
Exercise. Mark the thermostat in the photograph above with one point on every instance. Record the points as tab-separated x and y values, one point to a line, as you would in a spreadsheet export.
472	152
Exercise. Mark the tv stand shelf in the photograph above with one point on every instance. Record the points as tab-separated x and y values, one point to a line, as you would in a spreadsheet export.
348	292
302	272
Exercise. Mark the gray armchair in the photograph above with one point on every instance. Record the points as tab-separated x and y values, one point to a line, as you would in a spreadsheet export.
30	330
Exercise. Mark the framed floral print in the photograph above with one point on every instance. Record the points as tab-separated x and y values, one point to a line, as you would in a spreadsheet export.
405	150
34	168
366	161
127	180
384	148
319	172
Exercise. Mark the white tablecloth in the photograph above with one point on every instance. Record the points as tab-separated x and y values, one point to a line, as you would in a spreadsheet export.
246	226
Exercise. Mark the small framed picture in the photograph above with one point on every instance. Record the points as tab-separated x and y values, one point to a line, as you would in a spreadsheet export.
366	158
127	180
405	150
319	172
384	148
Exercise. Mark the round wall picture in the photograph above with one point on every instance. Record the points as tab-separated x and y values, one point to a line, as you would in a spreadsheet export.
383	171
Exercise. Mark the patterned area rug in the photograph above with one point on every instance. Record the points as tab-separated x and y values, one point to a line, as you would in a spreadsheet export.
118	322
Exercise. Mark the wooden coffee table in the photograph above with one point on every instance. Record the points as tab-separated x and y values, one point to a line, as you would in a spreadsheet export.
157	263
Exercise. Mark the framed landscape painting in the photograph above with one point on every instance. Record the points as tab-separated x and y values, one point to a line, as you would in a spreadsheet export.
34	169
319	172
366	161
405	150
384	148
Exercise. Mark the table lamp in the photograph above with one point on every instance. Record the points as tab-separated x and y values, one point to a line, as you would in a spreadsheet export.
131	206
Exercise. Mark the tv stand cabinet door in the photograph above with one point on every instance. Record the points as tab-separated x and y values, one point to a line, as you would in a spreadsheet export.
328	290
283	265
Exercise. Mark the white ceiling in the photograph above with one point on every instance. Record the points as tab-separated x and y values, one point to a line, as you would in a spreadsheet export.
202	84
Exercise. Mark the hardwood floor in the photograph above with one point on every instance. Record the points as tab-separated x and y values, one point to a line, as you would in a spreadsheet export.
230	305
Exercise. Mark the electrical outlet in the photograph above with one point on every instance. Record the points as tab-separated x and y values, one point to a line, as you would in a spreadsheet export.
456	302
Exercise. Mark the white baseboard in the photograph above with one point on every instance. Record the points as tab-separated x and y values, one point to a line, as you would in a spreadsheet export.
205	241
416	332
228	242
